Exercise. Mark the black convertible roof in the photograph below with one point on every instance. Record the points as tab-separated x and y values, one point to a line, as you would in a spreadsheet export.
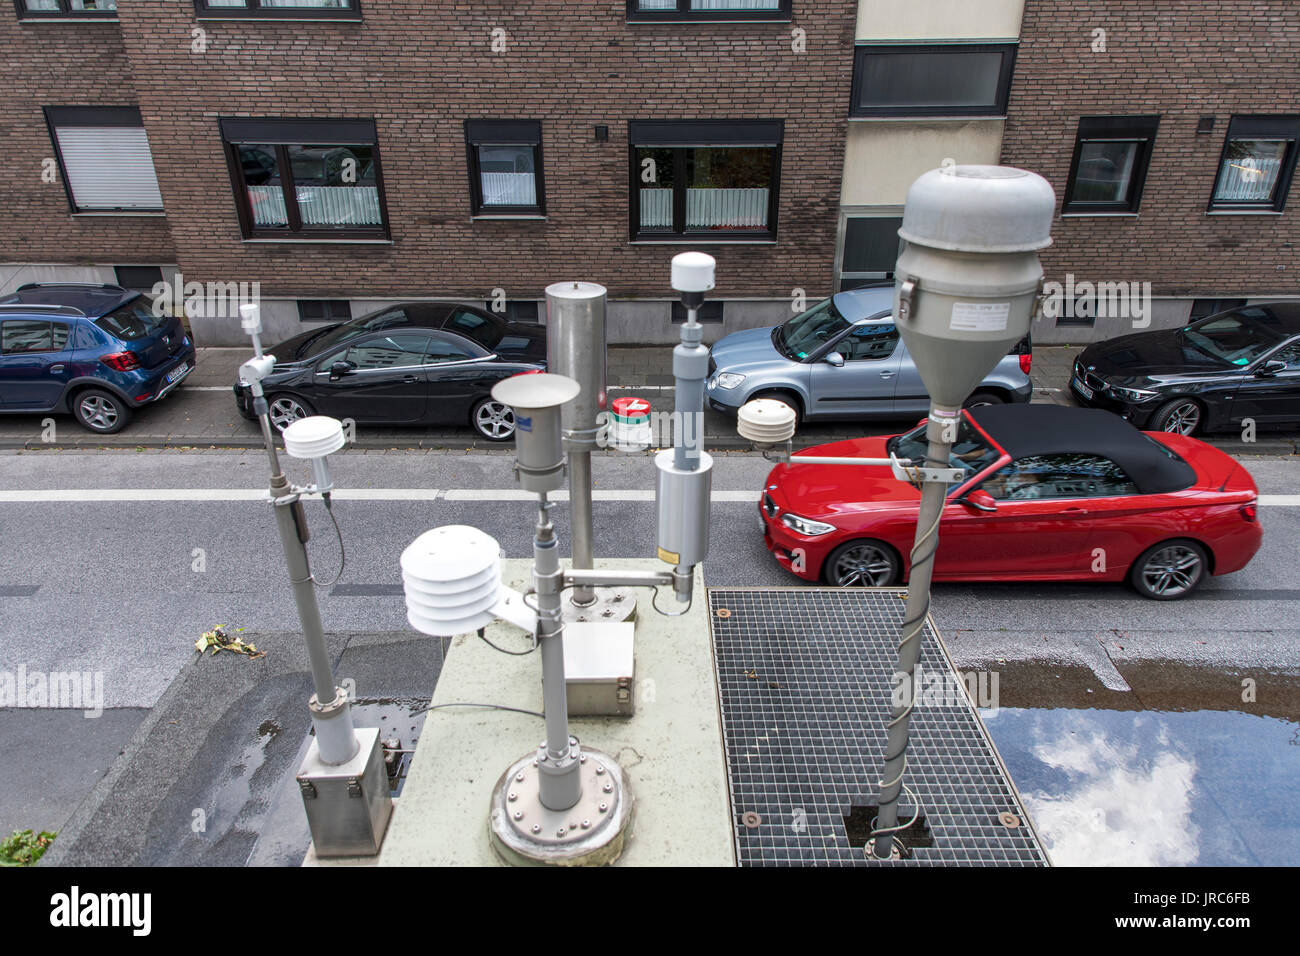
1061	429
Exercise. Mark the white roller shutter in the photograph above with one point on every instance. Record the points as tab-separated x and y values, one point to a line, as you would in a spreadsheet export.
109	167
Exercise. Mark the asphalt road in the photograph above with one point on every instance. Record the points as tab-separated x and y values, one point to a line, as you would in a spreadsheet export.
126	586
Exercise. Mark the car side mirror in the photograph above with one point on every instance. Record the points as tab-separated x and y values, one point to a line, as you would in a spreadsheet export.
835	358
1271	368
980	500
339	369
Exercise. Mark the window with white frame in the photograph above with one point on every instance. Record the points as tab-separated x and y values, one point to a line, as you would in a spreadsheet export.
103	154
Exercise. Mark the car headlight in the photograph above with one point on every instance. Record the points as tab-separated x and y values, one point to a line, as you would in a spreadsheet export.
806	525
1131	394
729	379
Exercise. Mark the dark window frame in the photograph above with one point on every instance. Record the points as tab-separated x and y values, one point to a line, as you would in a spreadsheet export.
684	13
862	51
710	313
1259	126
683	135
857	279
504	133
109	117
283	133
328	306
65	12
1139	129
255	11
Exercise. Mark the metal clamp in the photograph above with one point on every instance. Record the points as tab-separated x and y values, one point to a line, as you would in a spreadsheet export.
906	291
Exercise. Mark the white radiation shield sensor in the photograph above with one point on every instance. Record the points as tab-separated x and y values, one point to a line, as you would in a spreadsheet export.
693	272
765	421
312	439
452	580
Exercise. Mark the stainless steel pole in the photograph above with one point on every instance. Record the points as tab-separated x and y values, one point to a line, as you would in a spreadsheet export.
580	514
560	783
940	433
690	369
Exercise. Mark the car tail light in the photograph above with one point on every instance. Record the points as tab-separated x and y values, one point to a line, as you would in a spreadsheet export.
121	361
1248	511
1026	361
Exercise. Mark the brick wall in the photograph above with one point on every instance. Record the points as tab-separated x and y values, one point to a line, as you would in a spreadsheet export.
62	64
420	69
1182	60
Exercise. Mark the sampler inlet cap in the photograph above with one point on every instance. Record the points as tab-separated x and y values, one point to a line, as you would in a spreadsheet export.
313	437
693	272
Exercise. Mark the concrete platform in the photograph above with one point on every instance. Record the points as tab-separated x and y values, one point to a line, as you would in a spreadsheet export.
671	750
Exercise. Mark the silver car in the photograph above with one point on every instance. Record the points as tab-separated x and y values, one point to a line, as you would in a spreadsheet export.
843	358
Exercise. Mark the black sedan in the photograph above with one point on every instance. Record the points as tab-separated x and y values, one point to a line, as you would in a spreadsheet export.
1216	374
416	363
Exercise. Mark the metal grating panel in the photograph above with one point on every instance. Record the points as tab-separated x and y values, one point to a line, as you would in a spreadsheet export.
804	677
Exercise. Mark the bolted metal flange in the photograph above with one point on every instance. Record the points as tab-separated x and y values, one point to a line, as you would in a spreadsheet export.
591	832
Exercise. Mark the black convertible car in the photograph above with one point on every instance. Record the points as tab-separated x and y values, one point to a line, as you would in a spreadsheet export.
1212	375
417	363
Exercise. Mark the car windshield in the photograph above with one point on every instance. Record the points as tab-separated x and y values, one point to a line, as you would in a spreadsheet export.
970	452
487	331
135	320
374	322
806	333
1236	338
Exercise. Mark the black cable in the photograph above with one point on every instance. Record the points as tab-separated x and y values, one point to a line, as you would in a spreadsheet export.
343	555
482	633
516	710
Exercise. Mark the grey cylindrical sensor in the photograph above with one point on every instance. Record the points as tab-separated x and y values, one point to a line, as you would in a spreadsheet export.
575	347
536	401
683	501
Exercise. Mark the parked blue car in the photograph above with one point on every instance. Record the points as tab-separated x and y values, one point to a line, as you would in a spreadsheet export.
843	359
96	351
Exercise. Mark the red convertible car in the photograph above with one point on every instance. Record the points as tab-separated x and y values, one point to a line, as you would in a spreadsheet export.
1052	493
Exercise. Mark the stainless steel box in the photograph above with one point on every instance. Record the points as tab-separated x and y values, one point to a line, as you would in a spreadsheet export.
600	669
348	805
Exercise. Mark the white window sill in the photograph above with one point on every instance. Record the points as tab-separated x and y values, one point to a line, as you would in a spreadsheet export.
702	242
118	213
488	217
1099	215
1243	212
228	19
973	118
317	242
26	20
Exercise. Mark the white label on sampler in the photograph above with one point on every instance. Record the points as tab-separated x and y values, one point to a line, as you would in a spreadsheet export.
980	316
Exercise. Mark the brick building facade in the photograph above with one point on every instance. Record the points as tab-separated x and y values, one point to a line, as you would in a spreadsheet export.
1193	67
419	71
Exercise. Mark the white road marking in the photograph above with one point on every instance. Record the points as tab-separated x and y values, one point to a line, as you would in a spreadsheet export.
96	495
206	388
51	495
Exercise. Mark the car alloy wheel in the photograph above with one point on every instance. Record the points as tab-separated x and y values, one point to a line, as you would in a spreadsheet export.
863	564
1172	570
98	412
1182	418
494	421
285	411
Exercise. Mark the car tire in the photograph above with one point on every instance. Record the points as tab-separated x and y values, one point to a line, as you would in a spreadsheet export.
1159	574
492	420
100	412
983	398
285	409
786	398
877	564
1182	416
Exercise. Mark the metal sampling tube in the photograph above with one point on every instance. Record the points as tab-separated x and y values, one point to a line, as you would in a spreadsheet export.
940	432
558	762
575	347
690	369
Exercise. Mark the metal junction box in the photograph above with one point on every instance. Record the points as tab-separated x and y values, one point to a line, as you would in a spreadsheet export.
348	805
599	669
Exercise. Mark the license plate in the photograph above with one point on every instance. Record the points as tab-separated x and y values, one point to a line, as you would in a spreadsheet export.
177	372
1083	390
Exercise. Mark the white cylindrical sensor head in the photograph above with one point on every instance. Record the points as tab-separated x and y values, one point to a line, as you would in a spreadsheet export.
250	318
452	579
693	272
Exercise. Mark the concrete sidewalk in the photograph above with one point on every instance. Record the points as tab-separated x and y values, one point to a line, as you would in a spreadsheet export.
201	413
